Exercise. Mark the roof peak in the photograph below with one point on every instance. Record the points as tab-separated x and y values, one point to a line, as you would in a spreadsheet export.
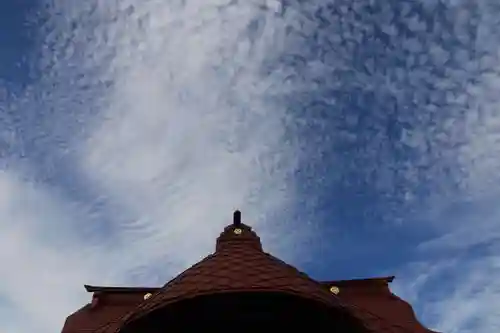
236	218
238	234
238	265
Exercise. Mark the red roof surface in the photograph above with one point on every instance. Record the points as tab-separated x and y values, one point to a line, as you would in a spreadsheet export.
240	265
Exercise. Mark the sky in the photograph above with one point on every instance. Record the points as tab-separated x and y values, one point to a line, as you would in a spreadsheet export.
358	137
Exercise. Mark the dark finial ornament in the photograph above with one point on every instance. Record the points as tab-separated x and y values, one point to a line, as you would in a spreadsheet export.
237	218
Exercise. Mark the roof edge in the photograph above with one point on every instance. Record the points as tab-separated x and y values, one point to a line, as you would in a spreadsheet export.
384	280
121	290
107	289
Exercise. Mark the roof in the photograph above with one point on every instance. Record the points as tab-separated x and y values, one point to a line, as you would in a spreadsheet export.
367	294
107	304
363	282
120	290
375	300
238	265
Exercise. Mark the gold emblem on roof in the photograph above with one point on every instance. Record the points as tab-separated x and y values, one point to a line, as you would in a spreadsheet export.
148	295
238	231
334	290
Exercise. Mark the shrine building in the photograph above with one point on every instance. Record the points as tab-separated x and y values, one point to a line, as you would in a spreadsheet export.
241	287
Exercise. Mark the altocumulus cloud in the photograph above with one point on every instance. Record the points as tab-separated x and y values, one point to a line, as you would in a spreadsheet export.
455	280
148	120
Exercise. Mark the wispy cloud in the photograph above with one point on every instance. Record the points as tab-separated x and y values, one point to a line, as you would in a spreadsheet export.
40	262
410	90
149	123
456	285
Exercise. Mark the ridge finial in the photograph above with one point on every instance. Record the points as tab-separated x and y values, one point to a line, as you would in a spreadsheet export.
237	218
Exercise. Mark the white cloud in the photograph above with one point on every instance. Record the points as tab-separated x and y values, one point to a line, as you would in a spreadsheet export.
38	267
473	305
169	121
458	294
167	118
460	266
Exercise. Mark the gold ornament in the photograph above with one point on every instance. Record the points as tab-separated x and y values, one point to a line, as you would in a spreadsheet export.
334	290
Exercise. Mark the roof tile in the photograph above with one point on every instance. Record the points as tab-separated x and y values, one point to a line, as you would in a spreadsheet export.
238	265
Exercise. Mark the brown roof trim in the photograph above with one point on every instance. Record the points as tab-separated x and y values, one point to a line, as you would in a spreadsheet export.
129	290
383	280
89	288
121	290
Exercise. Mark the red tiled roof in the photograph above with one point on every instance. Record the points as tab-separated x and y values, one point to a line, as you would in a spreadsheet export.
374	298
238	265
107	304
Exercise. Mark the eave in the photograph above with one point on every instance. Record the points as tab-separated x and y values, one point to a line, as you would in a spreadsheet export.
121	290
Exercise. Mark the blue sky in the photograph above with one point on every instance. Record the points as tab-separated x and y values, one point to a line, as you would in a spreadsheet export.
359	138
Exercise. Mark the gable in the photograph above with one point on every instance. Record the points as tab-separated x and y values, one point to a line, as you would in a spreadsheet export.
375	297
110	304
107	304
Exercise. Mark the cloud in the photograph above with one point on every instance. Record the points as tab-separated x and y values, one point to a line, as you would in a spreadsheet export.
412	91
466	302
150	123
456	286
39	264
473	305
